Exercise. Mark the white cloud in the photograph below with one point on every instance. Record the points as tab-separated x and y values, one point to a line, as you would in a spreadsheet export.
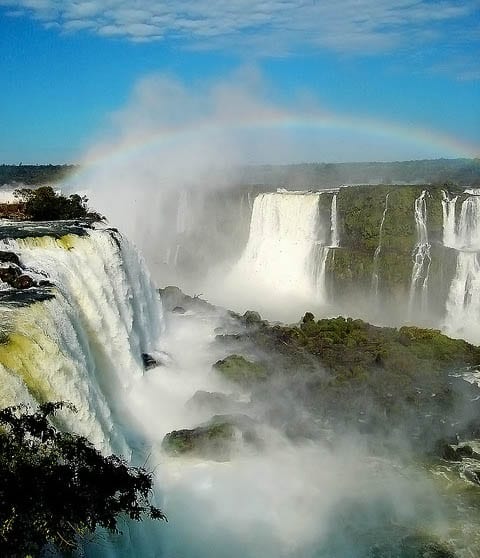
272	26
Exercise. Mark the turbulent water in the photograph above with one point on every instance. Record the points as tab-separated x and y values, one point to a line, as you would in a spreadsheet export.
85	343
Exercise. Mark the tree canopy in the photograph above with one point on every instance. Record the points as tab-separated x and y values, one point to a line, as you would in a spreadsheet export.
55	487
45	204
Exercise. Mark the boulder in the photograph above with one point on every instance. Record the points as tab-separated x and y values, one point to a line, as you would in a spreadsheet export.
9	257
149	361
9	274
238	369
24	282
178	310
214	439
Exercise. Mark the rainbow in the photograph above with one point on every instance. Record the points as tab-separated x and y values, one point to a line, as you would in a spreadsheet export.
438	143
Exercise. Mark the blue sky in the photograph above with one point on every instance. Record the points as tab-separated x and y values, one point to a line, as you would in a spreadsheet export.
67	66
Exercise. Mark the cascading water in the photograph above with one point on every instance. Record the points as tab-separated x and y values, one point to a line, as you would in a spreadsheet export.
421	257
448	210
84	343
284	239
462	318
87	341
334	238
376	255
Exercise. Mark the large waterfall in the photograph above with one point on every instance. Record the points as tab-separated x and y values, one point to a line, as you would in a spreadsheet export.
287	247
84	344
463	304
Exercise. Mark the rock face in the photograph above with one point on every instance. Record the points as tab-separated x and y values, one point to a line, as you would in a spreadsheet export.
213	440
378	234
241	371
175	300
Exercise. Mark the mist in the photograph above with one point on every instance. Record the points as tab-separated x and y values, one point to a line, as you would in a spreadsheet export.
169	170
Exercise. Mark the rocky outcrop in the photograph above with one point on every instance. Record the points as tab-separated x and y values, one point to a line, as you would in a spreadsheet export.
239	370
214	440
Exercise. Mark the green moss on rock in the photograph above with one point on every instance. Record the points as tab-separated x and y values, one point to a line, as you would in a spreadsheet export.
238	369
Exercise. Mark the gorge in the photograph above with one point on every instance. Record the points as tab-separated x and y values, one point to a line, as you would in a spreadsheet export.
314	436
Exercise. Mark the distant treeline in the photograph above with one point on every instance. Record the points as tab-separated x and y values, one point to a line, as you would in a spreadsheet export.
34	175
464	172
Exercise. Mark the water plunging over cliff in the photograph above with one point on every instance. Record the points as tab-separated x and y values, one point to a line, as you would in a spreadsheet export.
85	344
462	317
281	254
334	238
421	257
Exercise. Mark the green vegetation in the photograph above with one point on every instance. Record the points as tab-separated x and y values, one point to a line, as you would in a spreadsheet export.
214	439
34	174
360	211
44	204
56	488
464	172
211	440
348	371
238	369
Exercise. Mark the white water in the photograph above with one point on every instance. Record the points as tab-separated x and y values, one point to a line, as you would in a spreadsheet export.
421	259
85	344
281	503
334	238
284	255
375	278
448	210
462	317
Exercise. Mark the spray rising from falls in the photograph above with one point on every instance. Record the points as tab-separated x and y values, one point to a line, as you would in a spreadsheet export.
421	258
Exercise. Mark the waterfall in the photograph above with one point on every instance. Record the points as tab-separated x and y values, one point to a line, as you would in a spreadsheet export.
334	242
378	249
448	210
421	256
283	254
462	316
84	344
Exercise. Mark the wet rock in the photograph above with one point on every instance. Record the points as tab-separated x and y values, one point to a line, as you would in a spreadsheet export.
212	440
450	452
150	362
473	475
173	297
9	274
178	310
238	369
252	318
9	257
24	282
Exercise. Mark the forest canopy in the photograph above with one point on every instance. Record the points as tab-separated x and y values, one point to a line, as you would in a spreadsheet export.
45	204
56	488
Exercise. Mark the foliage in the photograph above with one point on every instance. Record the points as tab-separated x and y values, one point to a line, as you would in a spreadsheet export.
34	174
238	369
369	377
55	487
44	204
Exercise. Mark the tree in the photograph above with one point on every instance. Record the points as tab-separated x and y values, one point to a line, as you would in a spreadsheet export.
44	204
55	487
